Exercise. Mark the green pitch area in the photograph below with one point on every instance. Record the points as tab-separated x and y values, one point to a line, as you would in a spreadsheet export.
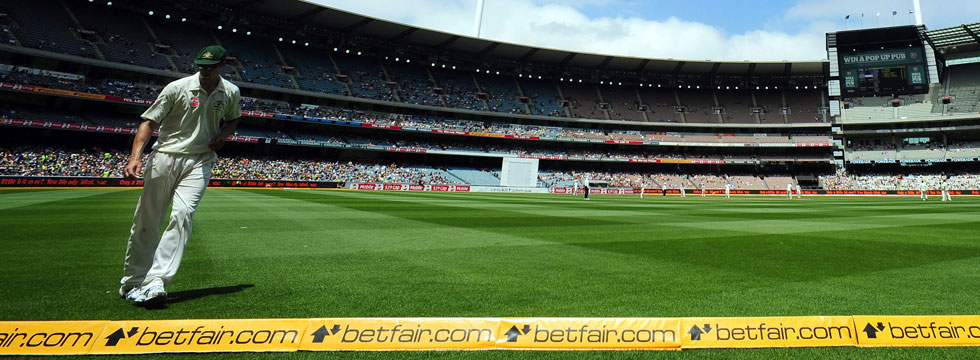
305	254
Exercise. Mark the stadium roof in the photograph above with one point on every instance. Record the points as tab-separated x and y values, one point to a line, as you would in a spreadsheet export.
300	13
955	39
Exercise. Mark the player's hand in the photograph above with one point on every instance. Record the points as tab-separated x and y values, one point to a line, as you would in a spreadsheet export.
132	170
216	143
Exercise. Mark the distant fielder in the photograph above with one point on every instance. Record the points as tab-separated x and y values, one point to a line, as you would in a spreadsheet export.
585	185
799	192
194	115
789	191
945	187
923	191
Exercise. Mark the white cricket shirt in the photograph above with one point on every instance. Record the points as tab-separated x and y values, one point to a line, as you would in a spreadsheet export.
189	117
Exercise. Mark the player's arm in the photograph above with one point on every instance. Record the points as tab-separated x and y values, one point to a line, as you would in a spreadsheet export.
132	170
227	128
229	124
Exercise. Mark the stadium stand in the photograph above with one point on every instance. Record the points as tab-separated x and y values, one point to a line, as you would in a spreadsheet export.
804	105
778	182
367	80
769	102
963	89
622	102
147	41
709	182
502	93
473	176
700	105
744	182
125	39
583	101
314	71
661	103
257	60
737	105
543	97
183	40
414	83
459	89
58	32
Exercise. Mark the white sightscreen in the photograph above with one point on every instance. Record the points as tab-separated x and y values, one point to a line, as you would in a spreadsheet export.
519	172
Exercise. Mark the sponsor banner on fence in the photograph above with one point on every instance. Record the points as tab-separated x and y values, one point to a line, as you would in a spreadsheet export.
759	332
49	337
918	330
401	334
225	335
589	333
407	187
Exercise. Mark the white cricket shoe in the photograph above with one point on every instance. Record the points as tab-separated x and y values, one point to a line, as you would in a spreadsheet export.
129	293
151	294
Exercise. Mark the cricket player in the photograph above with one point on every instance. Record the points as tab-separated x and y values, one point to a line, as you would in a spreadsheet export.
945	187
702	189
194	115
664	188
728	191
683	192
923	191
789	191
799	192
585	185
575	189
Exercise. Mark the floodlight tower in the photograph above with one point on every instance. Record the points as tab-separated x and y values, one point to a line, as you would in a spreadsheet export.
478	22
915	7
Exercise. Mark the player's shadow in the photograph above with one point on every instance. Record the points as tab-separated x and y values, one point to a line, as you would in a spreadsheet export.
186	295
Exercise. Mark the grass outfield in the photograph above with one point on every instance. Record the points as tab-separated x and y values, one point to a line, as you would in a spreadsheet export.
303	254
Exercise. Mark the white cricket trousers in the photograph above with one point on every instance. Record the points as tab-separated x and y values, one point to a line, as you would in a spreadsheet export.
178	177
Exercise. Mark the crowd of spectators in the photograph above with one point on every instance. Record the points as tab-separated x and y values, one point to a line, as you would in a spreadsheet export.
845	181
141	91
99	162
102	162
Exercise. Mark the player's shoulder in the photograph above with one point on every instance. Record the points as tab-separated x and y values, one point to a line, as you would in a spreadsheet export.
182	83
230	87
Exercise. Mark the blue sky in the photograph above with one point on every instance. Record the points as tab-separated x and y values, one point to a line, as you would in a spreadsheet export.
690	29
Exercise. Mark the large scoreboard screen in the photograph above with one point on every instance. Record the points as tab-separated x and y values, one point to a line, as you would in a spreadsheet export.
883	72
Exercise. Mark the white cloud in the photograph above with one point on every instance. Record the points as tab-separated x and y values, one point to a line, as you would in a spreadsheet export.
561	25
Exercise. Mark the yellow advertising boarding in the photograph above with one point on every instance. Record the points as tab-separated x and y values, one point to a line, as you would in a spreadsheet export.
928	330
225	335
759	332
49	337
398	334
401	334
589	334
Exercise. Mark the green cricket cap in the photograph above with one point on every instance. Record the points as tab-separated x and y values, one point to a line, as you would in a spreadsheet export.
211	55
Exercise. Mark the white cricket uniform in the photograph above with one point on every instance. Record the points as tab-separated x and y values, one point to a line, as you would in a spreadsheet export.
799	192
789	191
178	169
728	191
923	192
946	196
683	192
